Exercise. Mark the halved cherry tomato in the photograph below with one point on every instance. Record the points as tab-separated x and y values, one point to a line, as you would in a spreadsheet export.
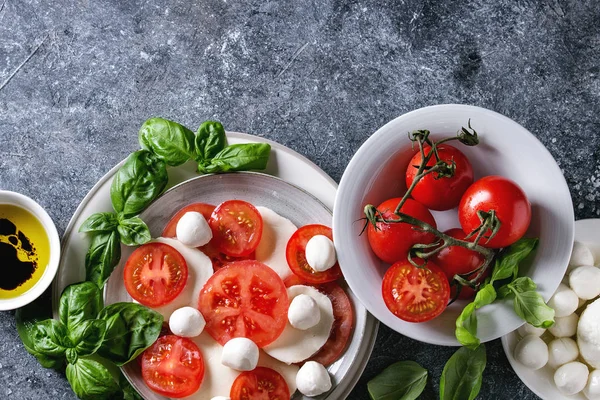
173	366
237	228
295	254
155	274
391	242
244	299
259	384
415	294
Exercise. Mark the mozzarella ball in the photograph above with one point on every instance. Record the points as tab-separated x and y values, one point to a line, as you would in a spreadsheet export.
532	352
581	303
320	253
221	398
564	301
592	389
528	329
304	312
313	379
588	334
565	326
193	230
571	378
581	255
562	351
240	354
585	282
186	322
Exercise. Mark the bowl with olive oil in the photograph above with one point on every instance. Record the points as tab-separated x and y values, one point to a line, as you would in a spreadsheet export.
29	250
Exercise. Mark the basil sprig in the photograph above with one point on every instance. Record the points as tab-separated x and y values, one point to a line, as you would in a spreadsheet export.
404	380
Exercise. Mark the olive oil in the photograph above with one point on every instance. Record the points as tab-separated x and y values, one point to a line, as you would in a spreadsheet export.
24	250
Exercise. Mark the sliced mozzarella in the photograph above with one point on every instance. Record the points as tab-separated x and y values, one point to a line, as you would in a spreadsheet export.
571	378
276	233
528	329
585	282
562	351
592	389
581	255
588	334
313	379
564	301
186	322
564	326
193	230
294	345
240	353
532	352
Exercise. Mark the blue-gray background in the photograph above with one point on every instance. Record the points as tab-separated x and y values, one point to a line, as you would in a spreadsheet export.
318	76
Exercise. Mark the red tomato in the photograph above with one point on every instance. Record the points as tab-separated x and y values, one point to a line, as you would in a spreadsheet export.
295	254
259	384
206	210
294	280
173	366
155	274
391	242
218	259
440	193
507	199
415	294
237	228
244	299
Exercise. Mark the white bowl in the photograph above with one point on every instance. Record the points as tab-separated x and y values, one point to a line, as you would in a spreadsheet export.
376	173
17	199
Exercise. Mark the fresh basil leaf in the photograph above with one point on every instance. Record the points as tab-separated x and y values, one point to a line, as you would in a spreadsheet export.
26	318
466	327
91	380
238	157
210	139
130	329
102	257
79	302
523	284
137	183
169	141
529	304
507	262
88	336
404	380
50	338
133	231
486	295
463	374
100	222
129	393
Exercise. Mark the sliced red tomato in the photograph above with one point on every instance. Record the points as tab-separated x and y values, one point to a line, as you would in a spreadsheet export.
295	254
294	280
155	274
173	366
237	228
415	294
206	210
244	299
219	260
259	384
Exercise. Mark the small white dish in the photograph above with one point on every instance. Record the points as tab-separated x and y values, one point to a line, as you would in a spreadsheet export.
376	173
20	200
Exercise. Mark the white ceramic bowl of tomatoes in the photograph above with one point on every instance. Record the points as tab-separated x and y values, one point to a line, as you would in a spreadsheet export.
509	171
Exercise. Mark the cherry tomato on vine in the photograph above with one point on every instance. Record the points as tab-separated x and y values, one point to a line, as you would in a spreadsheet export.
237	228
440	193
509	202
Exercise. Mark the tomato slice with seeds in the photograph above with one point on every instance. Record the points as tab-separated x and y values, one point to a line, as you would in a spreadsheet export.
155	274
173	366
296	255
261	383
415	294
237	228
244	299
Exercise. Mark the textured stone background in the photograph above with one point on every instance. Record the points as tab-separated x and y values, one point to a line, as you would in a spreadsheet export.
318	76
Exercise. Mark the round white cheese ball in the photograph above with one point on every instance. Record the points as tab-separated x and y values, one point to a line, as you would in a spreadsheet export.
240	354
528	329
532	352
592	389
304	312
581	255
565	326
564	301
186	322
571	378
193	230
313	379
320	253
585	282
588	334
562	351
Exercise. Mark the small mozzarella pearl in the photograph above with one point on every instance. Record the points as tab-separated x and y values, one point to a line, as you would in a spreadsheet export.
592	389
240	354
313	379
304	312
186	322
565	326
564	301
581	255
193	230
532	352
562	351
528	329
571	378
320	253
585	282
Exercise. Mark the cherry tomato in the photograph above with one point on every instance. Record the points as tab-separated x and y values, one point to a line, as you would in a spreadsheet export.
415	294
244	299
507	199
237	227
155	274
259	384
440	193
173	366
391	242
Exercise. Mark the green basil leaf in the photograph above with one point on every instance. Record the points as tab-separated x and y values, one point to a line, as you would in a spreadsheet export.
210	139
238	157
100	222
523	284
50	338
466	327
88	336
507	262
102	257
26	318
133	231
79	302
140	180
91	380
486	295
129	393
169	141
404	380
529	304
130	329
462	374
